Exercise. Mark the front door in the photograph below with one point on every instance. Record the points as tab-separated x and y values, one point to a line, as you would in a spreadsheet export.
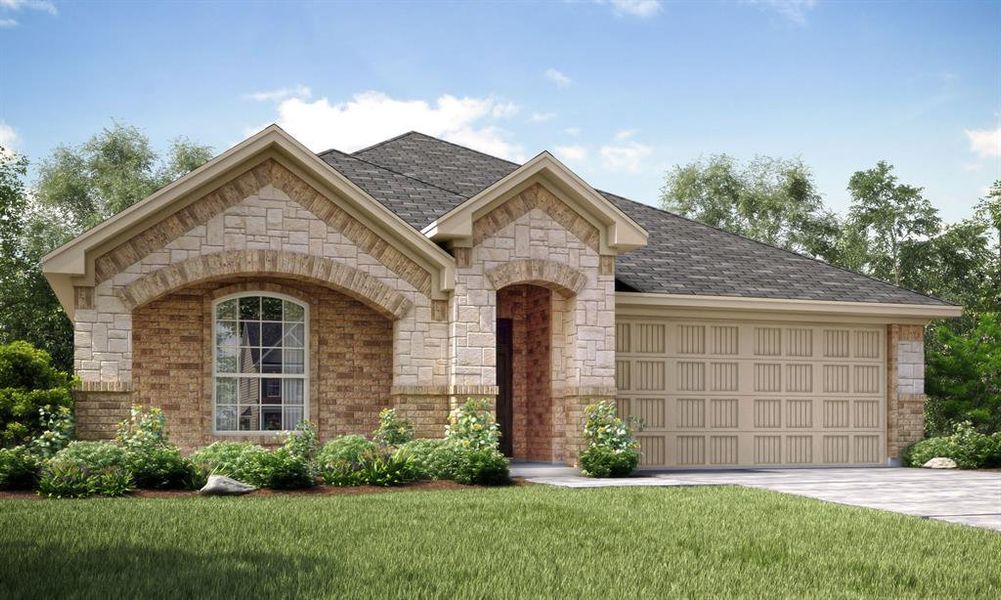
505	383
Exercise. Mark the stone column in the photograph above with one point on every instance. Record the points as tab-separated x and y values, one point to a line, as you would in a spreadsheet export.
905	388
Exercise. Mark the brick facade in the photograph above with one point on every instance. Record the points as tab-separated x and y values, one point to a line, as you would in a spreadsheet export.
905	397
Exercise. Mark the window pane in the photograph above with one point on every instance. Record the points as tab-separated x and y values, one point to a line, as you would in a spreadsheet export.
250	360
293	414
225	333
293	312
225	390
250	308
225	418
250	418
271	418
294	361
293	391
250	334
271	335
271	309
226	359
271	391
271	361
250	390
226	310
294	335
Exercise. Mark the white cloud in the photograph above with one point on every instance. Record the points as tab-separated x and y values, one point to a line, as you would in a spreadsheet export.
277	95
371	117
40	5
541	117
573	153
985	142
793	11
637	8
624	134
8	137
574	131
626	157
7	23
558	78
504	110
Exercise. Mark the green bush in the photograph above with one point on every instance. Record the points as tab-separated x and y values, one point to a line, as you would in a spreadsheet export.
602	461
482	466
57	431
967	446
303	441
84	469
431	459
239	460
153	462
963	378
280	469
393	430
28	382
472	425
610	447
448	460
18	469
353	460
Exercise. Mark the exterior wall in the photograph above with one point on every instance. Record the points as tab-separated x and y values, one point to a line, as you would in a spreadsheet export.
350	366
905	389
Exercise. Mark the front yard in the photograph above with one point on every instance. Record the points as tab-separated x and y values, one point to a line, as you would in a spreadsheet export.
524	541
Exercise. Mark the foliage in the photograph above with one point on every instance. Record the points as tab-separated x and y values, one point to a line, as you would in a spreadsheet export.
58	427
963	378
967	446
481	466
771	200
153	462
610	449
303	441
393	430
431	459
18	469
28	383
143	429
240	460
353	460
84	469
280	469
472	425
449	460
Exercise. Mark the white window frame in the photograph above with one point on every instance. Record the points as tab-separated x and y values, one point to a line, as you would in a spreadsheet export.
305	363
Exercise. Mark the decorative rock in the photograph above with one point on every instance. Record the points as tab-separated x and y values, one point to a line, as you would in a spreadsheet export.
219	485
940	463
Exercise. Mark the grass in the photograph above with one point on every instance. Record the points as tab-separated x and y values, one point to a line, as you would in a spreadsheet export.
507	543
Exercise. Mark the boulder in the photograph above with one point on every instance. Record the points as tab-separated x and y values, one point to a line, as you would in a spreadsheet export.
940	463
220	485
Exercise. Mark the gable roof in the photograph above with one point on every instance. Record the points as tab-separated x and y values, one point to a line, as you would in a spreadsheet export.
681	256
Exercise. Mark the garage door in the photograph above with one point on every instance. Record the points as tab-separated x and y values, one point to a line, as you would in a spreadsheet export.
717	394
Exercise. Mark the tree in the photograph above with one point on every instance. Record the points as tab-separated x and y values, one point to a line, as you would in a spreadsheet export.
964	377
989	212
771	200
78	187
889	224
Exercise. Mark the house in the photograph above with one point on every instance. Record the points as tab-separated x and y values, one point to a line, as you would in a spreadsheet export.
273	284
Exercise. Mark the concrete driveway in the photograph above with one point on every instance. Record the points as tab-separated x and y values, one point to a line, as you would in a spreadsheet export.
968	497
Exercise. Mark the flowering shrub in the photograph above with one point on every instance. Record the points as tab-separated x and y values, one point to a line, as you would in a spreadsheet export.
447	460
28	384
143	429
353	460
393	430
84	469
239	460
303	441
472	425
610	448
18	468
151	459
967	446
57	431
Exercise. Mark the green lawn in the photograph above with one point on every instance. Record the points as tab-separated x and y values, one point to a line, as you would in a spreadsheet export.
512	542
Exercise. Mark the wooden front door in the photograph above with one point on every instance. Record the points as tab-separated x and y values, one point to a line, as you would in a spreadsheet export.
505	383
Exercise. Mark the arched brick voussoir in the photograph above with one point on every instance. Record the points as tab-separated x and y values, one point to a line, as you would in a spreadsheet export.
556	276
315	269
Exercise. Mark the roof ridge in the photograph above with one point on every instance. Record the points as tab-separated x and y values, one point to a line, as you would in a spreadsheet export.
773	247
377	144
443	141
384	168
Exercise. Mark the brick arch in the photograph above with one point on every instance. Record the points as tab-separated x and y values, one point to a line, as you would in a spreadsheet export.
553	275
322	271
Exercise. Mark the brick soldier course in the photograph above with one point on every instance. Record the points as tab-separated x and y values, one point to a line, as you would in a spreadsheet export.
405	254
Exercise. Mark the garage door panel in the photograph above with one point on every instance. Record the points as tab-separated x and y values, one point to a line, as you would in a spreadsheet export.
723	394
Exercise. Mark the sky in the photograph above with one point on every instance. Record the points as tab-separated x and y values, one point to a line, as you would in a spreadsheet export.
620	90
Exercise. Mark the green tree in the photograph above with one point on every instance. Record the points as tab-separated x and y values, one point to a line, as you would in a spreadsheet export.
964	377
889	226
768	199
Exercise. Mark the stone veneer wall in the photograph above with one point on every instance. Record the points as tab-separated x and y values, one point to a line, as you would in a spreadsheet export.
905	392
350	363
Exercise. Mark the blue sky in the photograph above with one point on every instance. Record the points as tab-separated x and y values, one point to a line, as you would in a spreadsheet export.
620	90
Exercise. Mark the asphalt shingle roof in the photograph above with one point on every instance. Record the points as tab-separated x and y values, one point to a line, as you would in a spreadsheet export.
421	178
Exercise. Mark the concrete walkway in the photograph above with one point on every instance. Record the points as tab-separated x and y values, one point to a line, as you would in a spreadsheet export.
968	497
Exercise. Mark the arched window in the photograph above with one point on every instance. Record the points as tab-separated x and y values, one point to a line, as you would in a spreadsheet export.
260	363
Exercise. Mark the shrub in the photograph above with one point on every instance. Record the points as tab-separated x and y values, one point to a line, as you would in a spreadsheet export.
481	466
610	448
472	425
280	469
963	377
57	431
28	382
239	460
142	430
153	462
18	469
84	469
303	441
393	430
968	447
353	460
444	459
430	459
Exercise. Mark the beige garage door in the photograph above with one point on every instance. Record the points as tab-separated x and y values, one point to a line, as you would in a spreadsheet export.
717	394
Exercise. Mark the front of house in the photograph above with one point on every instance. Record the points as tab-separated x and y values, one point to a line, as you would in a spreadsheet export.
273	285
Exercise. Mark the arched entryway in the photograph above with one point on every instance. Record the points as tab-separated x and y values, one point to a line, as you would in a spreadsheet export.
525	403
